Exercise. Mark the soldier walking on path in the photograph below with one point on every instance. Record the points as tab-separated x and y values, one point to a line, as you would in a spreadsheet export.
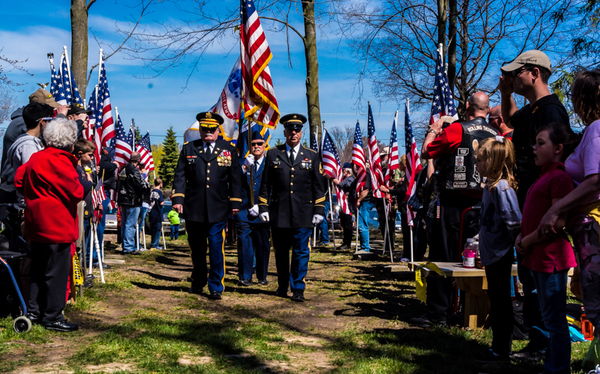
206	191
292	198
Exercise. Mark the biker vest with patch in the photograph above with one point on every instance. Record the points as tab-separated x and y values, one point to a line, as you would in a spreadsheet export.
458	168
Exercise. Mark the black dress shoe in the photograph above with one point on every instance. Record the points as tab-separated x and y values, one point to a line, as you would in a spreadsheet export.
298	296
281	293
34	319
263	282
344	247
245	282
63	326
196	290
215	295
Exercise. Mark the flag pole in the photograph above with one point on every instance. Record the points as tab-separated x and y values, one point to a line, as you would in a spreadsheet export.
331	214
240	120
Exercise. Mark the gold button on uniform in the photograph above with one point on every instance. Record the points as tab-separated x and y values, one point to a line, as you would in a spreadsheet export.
208	171
291	183
291	191
207	179
292	169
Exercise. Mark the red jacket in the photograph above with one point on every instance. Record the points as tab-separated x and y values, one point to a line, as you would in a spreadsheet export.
51	188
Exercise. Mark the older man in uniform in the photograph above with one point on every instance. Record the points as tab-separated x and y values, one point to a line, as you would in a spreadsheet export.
253	234
206	191
292	199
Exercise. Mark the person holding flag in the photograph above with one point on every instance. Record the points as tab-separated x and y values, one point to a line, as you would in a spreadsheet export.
459	184
361	196
253	234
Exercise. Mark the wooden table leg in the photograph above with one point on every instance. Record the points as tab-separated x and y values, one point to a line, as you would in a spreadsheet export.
477	304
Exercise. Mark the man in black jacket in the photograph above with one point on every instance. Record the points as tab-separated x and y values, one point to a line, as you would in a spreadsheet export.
292	198
207	189
131	188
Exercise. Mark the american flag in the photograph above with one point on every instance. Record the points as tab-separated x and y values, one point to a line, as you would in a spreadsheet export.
123	148
107	131
314	144
259	94
443	102
359	159
98	196
333	168
55	81
393	161
377	179
145	150
72	95
413	162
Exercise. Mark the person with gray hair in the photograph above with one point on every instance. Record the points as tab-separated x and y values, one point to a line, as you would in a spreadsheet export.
50	222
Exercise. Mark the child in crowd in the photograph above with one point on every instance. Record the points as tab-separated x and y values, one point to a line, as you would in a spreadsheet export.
84	151
549	256
500	224
156	201
174	219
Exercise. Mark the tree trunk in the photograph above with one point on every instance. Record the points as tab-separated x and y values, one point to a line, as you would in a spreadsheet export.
464	45
79	44
312	68
441	23
452	22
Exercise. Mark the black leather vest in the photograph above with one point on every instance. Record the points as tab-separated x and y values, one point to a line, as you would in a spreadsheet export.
458	169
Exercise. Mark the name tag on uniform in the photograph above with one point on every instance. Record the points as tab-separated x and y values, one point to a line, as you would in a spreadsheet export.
191	160
306	164
276	163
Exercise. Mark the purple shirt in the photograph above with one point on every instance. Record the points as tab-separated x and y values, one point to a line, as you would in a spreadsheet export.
585	159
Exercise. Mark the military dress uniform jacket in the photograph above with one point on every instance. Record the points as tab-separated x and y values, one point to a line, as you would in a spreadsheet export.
208	185
292	194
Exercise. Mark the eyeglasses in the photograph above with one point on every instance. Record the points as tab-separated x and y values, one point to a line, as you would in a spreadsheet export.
208	129
258	144
45	119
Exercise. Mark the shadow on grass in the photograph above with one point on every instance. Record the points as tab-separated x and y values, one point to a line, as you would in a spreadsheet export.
158	276
147	286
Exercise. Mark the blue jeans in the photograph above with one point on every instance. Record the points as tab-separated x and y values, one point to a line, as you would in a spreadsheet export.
323	226
102	224
552	293
363	224
174	231
142	220
87	231
155	234
129	218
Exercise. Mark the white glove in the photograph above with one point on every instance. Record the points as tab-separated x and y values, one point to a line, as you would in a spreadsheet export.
264	217
317	218
253	211
249	161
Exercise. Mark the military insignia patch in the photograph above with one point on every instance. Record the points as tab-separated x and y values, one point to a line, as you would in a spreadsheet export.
320	168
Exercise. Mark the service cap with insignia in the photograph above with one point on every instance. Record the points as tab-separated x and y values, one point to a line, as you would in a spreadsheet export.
293	121
209	120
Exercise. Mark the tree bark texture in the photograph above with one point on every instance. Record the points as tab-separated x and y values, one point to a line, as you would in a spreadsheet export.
312	68
441	22
452	22
79	44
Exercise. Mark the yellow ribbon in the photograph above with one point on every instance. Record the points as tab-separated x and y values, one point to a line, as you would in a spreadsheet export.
422	283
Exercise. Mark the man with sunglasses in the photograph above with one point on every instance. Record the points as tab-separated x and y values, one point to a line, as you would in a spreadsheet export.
253	233
292	199
206	190
527	75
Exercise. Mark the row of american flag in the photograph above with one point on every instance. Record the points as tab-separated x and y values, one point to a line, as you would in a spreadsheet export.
443	104
101	127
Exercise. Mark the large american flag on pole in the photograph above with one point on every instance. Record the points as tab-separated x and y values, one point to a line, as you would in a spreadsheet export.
145	150
359	159
123	144
443	101
332	167
393	157
259	94
413	162
108	127
377	179
72	95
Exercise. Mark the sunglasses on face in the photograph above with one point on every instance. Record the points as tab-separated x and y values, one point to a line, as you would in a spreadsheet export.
209	129
518	72
257	144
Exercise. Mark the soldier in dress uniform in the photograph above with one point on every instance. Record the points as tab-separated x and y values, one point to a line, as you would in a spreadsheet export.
292	198
206	191
253	234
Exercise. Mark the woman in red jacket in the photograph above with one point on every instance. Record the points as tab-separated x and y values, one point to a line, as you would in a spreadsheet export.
51	188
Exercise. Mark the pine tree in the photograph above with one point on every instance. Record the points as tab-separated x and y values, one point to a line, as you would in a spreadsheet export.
168	161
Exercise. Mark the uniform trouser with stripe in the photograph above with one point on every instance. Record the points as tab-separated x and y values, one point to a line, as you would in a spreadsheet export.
297	240
253	240
211	236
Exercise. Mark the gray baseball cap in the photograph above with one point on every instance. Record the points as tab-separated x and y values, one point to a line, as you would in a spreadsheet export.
533	57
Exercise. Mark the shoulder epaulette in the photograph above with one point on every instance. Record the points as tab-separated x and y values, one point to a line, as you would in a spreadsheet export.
310	149
185	143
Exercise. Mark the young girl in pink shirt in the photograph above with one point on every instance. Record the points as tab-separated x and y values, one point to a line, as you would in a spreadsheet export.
549	255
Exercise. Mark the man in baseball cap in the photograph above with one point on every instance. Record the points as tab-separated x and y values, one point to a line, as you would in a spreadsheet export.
527	75
43	97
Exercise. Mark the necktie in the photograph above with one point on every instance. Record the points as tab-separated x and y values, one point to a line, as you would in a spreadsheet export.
255	168
292	156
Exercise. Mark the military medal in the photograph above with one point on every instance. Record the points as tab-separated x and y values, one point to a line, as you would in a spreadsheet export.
224	159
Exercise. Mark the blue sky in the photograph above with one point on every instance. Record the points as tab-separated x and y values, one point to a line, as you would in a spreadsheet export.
29	32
